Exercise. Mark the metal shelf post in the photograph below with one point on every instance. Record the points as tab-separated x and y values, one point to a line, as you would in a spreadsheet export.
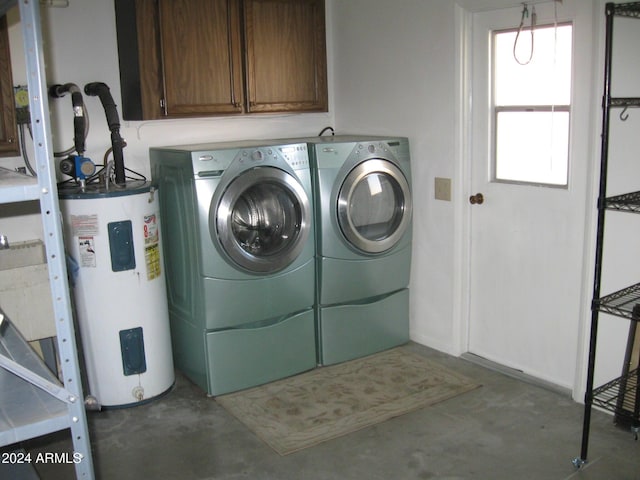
68	410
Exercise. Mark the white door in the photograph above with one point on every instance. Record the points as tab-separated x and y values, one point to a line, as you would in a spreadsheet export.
527	239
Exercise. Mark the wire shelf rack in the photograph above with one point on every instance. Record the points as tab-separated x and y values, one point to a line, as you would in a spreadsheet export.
620	397
624	303
630	9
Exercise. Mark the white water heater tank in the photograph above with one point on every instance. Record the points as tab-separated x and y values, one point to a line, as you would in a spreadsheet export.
113	241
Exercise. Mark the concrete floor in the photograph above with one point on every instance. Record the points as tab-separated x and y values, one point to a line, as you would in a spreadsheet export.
507	429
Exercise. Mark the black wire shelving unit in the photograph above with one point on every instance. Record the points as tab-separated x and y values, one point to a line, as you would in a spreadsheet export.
620	396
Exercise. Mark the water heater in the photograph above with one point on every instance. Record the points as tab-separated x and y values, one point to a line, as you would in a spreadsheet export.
112	238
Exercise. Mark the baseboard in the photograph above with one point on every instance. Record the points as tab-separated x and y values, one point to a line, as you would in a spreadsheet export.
439	346
517	374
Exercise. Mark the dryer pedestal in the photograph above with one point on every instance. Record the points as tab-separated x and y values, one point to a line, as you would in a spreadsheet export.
358	329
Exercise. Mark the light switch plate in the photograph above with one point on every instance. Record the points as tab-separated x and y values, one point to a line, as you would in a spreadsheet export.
442	189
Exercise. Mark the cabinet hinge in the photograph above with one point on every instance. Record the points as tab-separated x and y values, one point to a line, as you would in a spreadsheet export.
163	106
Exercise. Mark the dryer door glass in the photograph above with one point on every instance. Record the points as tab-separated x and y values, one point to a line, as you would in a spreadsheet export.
374	206
263	220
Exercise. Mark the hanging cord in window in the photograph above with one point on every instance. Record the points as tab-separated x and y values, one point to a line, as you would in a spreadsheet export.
525	14
555	71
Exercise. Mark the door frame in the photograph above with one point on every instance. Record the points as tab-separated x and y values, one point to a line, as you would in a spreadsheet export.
463	18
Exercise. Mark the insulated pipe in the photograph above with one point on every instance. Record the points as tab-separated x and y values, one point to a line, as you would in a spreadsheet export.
101	90
77	102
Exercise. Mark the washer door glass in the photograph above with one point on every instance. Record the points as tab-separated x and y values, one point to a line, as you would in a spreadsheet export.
374	206
262	220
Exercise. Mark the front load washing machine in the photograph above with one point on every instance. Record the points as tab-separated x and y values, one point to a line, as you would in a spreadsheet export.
238	223
363	212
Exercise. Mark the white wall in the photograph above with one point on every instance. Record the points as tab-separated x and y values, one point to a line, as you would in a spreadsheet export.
394	65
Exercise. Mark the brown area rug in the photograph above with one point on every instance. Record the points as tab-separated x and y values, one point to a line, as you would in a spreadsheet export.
325	403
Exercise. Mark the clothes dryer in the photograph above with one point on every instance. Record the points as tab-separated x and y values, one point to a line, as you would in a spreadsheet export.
364	227
238	219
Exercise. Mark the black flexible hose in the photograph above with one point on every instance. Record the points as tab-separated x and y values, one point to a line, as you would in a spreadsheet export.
79	124
325	129
23	148
101	90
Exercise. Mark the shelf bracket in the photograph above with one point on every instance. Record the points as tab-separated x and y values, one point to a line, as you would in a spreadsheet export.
51	388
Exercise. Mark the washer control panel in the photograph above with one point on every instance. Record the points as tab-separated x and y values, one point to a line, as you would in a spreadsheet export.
213	163
295	155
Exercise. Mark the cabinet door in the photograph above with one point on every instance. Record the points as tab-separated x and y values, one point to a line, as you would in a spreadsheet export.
285	55
201	56
8	130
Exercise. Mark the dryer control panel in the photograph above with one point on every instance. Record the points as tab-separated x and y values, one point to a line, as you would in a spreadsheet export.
295	155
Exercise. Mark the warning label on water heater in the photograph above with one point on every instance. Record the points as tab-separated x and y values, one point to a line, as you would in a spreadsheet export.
151	246
83	225
86	246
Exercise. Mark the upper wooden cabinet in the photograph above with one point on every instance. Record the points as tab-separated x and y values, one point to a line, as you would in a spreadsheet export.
286	58
209	57
201	59
9	146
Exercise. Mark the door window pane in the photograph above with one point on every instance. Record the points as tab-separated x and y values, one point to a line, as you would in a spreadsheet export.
546	79
532	147
531	104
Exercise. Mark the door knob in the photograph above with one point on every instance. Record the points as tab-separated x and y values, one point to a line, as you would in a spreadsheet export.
477	199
